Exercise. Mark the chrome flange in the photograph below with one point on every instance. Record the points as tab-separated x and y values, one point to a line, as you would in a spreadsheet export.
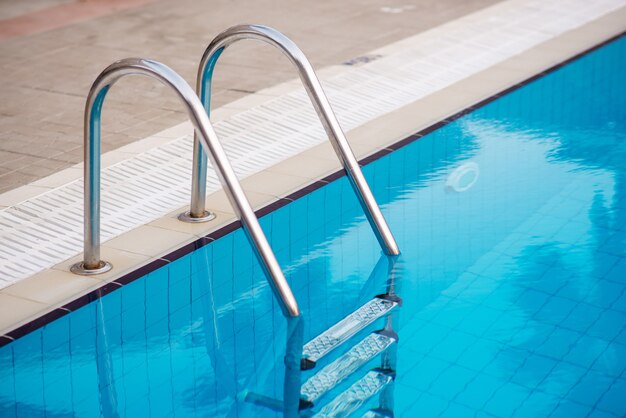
79	268
186	217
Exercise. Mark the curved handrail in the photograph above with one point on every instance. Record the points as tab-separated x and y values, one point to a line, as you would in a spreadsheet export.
322	107
210	143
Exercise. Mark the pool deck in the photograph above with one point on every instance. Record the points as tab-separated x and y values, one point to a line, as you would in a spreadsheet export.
443	95
52	50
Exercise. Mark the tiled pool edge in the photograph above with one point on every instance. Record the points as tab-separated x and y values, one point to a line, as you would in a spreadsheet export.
385	145
277	123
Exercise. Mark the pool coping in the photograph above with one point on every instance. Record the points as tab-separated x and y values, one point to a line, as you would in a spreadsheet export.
371	141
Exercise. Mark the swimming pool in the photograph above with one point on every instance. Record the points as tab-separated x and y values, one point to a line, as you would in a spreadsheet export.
512	223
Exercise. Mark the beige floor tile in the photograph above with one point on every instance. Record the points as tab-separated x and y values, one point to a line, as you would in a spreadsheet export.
274	184
325	151
219	202
176	131
143	145
60	178
122	261
21	194
149	241
53	287
307	165
282	88
15	310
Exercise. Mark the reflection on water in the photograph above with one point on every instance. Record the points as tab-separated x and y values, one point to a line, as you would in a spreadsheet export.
512	226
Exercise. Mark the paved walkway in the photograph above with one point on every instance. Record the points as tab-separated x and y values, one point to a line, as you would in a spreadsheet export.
45	75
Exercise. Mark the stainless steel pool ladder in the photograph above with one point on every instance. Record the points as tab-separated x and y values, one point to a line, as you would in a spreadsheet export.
198	212
92	264
206	139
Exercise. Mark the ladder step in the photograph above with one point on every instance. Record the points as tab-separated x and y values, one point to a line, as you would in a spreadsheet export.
356	395
333	337
345	365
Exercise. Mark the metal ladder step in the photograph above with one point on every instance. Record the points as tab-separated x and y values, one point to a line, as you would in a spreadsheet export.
336	335
335	372
356	395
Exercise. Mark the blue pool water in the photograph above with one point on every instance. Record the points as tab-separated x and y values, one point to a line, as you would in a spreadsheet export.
512	223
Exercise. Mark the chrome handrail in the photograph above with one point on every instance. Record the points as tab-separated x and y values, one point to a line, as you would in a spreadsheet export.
198	212
92	264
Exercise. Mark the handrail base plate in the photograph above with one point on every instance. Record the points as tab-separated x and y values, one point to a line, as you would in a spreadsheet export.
79	268
186	217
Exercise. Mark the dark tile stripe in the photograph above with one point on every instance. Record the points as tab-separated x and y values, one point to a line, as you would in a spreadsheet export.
4	340
225	230
272	207
142	271
36	323
311	188
173	256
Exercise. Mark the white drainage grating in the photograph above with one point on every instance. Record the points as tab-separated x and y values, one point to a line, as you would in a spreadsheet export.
47	229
